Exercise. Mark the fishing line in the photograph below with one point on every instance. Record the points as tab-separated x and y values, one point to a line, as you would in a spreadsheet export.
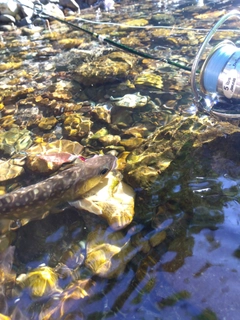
102	38
38	8
219	88
203	30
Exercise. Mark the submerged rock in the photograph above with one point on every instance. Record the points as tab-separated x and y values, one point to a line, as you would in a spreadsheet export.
113	200
63	145
66	305
71	4
40	282
47	123
104	253
149	80
102	114
109	252
6	261
48	157
180	137
11	168
9	7
15	140
76	125
135	100
109	68
163	19
50	161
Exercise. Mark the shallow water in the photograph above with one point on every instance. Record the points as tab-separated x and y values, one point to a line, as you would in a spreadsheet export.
194	272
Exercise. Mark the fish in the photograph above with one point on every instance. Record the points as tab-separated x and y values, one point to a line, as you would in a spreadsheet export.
36	201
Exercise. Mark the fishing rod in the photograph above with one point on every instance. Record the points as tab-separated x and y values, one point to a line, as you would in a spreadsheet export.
218	90
101	38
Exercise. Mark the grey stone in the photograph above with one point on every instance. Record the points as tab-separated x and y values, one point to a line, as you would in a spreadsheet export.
7	27
71	4
7	18
54	10
9	7
24	22
26	8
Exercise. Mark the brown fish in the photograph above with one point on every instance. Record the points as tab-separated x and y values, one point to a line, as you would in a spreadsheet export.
35	201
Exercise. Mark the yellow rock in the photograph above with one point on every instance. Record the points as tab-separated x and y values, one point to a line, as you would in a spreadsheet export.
41	282
47	123
71	43
121	162
3	317
112	200
149	79
77	125
11	169
136	22
131	143
10	65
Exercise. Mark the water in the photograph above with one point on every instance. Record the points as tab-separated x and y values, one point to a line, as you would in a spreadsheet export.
194	272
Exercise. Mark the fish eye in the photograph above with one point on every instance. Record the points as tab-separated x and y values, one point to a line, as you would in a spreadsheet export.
15	225
103	171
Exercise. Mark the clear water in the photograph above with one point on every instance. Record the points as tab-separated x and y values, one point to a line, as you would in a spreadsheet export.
194	273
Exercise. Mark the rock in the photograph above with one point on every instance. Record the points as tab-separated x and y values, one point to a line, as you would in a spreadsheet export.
123	118
131	143
26	22
53	10
12	11
9	65
48	157
9	7
134	100
7	276
70	43
109	5
101	113
72	4
163	19
7	27
113	200
11	168
40	282
7	18
59	146
15	140
99	134
136	22
47	123
62	306
110	140
149	80
109	252
109	68
50	161
26	8
181	137
76	125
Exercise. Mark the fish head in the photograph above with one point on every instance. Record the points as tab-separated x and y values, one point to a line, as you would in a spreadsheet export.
95	170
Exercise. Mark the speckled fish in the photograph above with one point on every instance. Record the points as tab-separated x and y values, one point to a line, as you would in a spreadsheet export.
37	200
